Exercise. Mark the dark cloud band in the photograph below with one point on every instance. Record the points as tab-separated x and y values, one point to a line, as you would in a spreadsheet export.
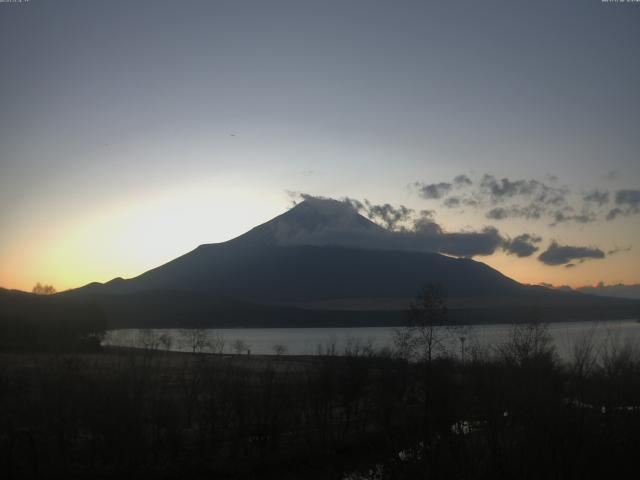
557	254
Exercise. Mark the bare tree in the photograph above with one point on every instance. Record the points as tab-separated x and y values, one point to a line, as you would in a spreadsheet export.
40	289
240	346
217	343
584	357
196	339
279	349
618	358
425	334
166	341
528	341
357	347
148	339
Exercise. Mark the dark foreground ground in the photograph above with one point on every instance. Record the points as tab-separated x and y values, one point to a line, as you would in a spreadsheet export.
517	413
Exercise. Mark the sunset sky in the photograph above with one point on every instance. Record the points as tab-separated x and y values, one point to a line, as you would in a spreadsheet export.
133	131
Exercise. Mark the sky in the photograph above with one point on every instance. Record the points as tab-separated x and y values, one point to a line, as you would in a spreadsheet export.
133	131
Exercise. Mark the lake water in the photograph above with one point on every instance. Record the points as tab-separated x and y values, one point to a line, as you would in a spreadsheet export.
312	341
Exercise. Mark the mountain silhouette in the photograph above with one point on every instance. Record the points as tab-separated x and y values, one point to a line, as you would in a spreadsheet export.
318	250
321	254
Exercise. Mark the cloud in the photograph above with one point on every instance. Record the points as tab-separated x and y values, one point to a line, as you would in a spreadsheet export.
452	202
531	211
597	197
535	211
507	198
629	199
500	190
628	203
440	190
557	254
563	216
395	228
388	215
465	244
433	190
615	250
425	234
522	245
357	205
498	213
614	212
425	223
296	196
462	181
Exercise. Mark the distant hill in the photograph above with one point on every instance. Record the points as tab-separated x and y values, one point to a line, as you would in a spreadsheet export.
179	309
318	250
320	255
617	291
308	273
49	322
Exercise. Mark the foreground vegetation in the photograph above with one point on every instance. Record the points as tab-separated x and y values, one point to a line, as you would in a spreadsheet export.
513	412
69	409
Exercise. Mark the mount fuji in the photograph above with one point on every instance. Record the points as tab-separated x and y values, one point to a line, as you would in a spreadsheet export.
321	256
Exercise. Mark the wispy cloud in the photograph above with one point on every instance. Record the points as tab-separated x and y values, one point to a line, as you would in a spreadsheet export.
598	197
617	250
628	203
433	190
501	199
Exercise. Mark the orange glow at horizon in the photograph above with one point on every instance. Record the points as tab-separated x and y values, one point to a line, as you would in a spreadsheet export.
129	238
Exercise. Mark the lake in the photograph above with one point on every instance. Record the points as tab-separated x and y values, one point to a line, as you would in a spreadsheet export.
312	341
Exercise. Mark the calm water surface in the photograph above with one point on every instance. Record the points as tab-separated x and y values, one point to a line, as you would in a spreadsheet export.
311	341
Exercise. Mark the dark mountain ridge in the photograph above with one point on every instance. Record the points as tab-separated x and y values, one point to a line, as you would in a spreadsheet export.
307	273
319	251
